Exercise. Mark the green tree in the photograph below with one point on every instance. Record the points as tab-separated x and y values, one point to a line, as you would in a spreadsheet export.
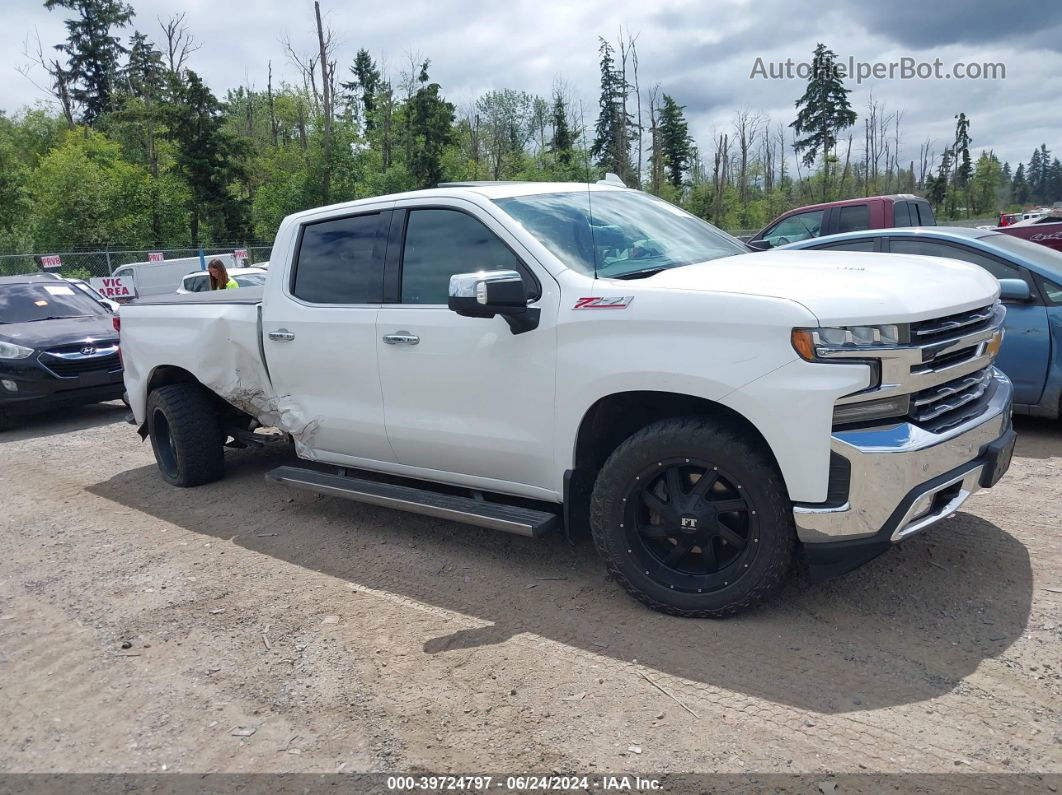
206	156
430	129
562	139
1019	185
93	51
824	111
367	82
987	183
676	145
610	149
85	194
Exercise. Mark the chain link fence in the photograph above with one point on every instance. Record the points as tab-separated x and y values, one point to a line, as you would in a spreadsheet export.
89	264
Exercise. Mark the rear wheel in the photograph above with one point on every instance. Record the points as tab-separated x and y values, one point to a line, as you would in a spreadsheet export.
185	435
692	519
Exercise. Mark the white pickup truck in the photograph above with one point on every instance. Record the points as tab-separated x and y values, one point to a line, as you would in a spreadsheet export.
535	356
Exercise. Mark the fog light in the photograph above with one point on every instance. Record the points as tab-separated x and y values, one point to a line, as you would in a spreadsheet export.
10	386
922	505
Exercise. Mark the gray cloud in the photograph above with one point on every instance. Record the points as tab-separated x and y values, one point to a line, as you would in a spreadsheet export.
700	53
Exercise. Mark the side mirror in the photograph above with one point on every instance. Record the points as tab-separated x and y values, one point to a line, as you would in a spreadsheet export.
759	245
489	293
1014	290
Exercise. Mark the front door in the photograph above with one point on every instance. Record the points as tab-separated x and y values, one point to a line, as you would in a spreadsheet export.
320	339
465	395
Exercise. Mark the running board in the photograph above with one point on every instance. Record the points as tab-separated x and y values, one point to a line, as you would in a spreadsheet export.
497	516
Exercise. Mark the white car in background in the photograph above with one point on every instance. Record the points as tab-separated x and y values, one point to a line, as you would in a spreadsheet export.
92	293
199	281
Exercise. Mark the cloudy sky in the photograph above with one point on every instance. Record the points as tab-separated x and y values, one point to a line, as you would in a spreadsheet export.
702	53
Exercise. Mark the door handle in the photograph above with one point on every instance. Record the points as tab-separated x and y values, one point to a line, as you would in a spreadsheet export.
281	335
401	338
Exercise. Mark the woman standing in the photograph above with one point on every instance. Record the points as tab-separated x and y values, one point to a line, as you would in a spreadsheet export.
219	276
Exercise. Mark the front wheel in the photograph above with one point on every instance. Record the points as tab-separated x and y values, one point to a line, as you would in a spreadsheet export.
693	519
185	435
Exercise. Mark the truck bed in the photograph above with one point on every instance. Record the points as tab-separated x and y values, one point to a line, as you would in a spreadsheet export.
216	337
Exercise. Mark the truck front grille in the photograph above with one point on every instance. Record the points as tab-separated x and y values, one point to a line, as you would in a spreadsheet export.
960	324
946	405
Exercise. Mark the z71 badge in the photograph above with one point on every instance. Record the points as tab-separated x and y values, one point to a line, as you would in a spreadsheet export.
604	302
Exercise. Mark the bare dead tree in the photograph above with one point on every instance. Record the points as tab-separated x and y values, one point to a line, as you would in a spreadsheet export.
721	163
180	43
656	157
58	78
328	79
925	161
272	106
638	95
746	127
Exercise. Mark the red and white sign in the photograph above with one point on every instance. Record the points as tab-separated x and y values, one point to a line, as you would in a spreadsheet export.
114	287
155	256
52	261
240	254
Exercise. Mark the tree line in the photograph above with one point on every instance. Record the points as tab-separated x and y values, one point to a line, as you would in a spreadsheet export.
137	150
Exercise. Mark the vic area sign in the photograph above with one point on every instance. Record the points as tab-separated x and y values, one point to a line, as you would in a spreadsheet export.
114	287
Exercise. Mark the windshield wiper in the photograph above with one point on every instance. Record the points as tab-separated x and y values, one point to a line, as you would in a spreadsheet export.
641	274
56	317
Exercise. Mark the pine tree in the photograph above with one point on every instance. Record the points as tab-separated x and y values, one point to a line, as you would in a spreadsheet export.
675	141
824	112
93	51
431	120
562	140
1054	182
1019	185
1034	175
367	81
206	155
610	149
937	188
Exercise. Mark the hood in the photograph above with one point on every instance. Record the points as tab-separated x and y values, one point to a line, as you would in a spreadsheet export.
49	333
843	287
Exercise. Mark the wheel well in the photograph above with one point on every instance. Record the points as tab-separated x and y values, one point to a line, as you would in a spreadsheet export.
614	418
171	374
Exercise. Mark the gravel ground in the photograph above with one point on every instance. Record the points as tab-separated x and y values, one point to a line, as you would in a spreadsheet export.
245	627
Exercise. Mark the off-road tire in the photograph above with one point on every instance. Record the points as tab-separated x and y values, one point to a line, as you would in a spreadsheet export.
747	464
186	435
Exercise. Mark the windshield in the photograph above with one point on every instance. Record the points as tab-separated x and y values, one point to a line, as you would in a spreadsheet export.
1046	258
24	303
618	233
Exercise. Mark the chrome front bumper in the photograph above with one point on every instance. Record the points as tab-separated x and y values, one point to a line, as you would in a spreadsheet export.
905	478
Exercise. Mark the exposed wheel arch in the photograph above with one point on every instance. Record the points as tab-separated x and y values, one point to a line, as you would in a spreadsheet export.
613	419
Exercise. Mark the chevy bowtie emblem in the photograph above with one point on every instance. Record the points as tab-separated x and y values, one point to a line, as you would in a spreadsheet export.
88	350
604	302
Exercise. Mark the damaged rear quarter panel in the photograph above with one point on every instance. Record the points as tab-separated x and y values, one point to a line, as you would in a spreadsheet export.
218	343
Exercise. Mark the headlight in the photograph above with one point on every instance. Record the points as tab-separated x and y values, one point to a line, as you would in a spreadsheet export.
814	343
872	410
9	350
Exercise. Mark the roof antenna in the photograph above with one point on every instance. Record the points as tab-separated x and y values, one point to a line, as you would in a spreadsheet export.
586	166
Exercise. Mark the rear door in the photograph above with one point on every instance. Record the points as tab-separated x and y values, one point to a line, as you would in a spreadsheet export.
320	339
1026	351
461	394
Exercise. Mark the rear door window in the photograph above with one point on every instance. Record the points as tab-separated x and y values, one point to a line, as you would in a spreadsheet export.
854	218
339	261
924	213
901	214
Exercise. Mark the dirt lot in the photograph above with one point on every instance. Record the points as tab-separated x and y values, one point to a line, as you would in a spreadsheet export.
140	625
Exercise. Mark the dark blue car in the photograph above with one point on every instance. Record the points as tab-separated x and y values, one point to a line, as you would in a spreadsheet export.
1031	287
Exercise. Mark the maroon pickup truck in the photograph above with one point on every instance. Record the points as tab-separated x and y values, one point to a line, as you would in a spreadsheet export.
851	215
1046	230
